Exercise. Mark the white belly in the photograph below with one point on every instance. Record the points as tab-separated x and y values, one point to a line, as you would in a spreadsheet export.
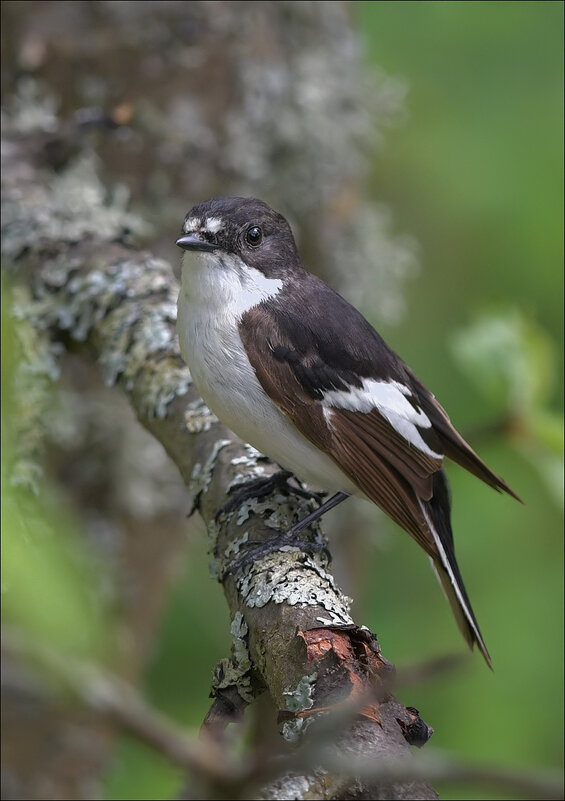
212	348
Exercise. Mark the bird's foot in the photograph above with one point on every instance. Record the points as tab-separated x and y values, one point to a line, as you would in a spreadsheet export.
258	549
258	488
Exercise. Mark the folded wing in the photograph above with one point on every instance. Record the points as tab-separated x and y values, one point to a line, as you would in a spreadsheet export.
348	393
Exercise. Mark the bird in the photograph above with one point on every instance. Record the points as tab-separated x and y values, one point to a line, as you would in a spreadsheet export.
297	372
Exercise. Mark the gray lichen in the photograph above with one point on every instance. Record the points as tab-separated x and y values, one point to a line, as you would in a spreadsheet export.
202	473
135	331
249	463
287	788
166	384
236	671
298	700
198	417
308	92
130	301
301	697
77	209
274	578
234	545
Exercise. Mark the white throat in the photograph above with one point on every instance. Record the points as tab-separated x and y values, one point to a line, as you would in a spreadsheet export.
216	291
222	282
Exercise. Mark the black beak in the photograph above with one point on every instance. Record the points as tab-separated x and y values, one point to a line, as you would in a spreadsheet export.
194	242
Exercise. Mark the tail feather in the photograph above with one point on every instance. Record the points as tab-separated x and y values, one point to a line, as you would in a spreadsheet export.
463	613
437	515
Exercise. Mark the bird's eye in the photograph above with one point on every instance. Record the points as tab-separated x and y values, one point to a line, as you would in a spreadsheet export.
254	236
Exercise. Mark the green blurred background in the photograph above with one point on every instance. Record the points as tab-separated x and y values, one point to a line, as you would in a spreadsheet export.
474	173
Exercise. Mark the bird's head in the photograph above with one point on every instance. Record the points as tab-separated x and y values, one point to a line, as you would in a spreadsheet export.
242	227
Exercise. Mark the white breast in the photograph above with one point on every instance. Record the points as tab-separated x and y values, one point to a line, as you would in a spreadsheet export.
215	292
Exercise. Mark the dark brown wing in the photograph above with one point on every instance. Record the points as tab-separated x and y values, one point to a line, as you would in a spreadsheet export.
360	447
383	464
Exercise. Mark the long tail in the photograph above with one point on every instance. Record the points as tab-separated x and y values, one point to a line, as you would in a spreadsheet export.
437	514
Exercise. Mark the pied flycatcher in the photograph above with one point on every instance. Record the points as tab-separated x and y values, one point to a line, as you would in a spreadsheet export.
296	371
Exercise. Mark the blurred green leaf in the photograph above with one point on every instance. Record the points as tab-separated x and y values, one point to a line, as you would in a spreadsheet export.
512	362
547	429
509	359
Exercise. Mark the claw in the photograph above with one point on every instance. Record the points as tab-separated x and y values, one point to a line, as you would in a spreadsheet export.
258	488
261	548
255	488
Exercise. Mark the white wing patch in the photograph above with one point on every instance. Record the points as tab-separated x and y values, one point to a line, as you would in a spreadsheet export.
390	399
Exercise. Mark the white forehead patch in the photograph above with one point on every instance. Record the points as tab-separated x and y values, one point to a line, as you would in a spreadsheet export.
191	224
210	225
213	224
